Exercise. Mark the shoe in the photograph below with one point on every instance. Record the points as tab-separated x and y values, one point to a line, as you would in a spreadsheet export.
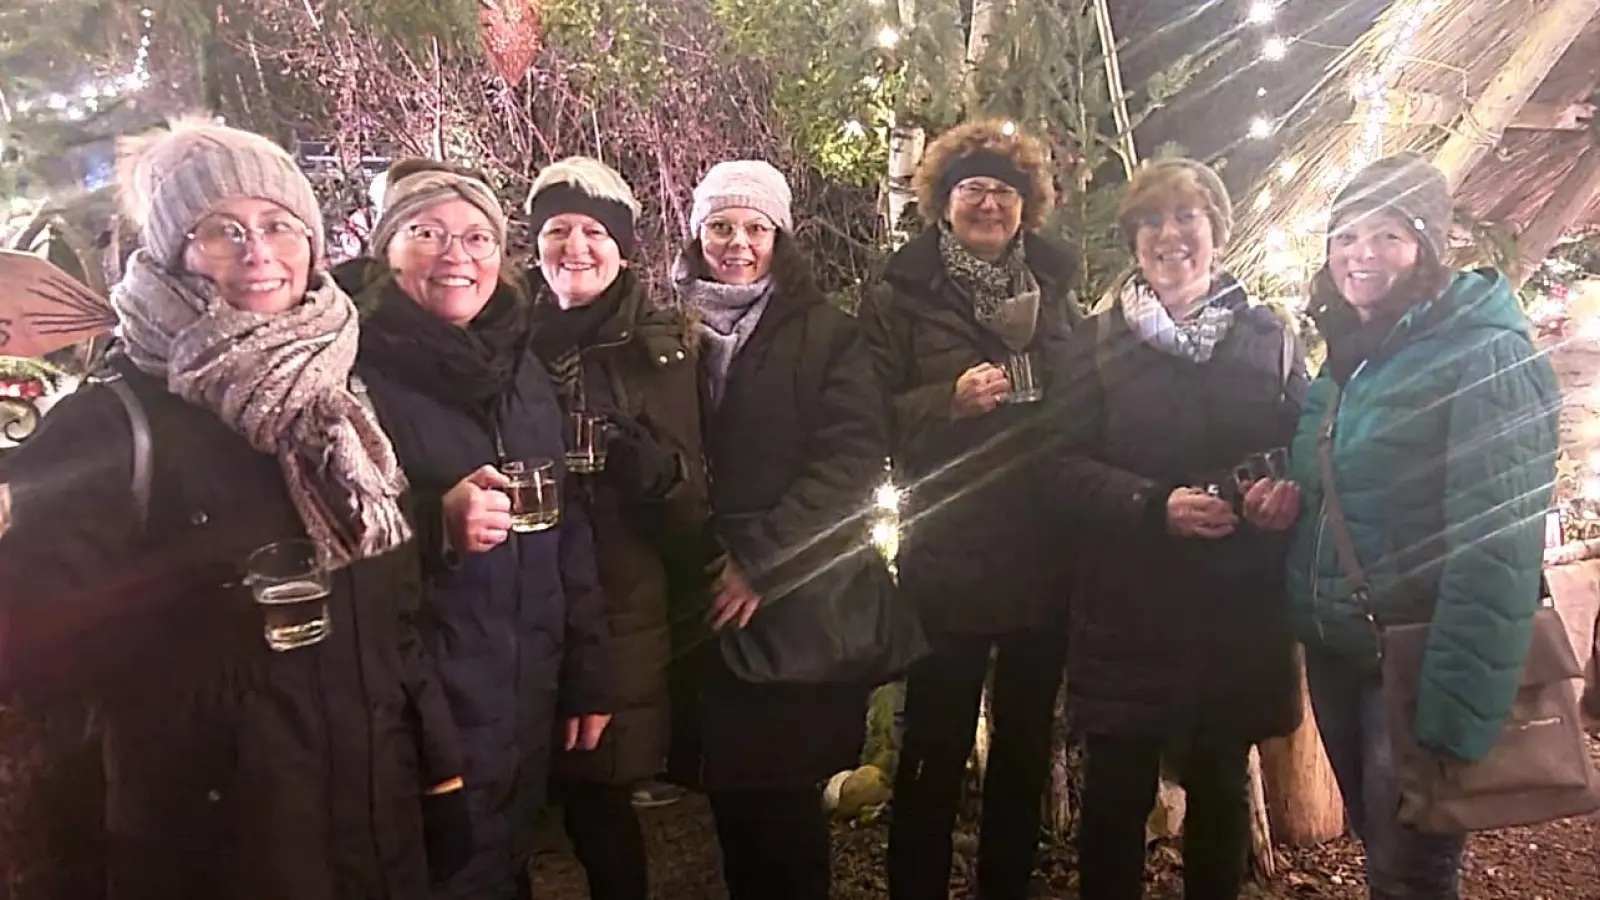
651	794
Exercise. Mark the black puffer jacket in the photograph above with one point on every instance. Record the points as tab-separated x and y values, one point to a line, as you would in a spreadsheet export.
517	632
231	770
981	550
1176	636
796	447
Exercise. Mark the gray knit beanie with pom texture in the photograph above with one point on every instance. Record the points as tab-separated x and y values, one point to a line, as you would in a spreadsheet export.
172	178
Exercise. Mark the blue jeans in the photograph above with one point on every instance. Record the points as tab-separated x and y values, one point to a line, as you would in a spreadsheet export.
1402	863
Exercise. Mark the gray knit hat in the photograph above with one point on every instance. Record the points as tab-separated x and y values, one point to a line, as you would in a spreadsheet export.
1411	188
743	184
413	185
1154	178
171	178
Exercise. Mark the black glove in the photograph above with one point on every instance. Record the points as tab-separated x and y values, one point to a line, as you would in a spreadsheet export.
645	467
447	834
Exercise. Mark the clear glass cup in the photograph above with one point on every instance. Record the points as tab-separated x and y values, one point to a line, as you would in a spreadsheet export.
535	495
587	455
289	581
1025	386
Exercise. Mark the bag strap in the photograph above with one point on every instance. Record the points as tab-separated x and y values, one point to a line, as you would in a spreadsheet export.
1333	513
143	474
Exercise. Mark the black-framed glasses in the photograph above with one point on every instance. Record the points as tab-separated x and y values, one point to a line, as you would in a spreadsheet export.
225	238
433	240
973	193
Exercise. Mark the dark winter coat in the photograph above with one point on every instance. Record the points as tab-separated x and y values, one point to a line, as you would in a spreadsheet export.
231	770
980	552
640	361
516	632
1176	637
1444	455
790	461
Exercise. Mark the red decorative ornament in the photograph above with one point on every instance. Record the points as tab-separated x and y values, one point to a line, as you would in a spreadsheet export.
510	31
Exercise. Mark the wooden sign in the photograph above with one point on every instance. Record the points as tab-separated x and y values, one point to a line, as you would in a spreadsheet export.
43	309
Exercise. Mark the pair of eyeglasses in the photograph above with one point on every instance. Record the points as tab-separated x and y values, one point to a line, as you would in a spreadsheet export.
479	243
223	238
974	193
724	232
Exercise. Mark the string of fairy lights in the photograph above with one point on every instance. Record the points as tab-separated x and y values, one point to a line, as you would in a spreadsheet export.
88	98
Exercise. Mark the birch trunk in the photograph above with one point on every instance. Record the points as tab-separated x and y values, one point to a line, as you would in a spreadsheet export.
905	151
985	17
1546	40
1261	852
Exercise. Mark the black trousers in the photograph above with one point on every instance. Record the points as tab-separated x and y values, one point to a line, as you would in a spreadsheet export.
943	692
775	843
606	838
1119	791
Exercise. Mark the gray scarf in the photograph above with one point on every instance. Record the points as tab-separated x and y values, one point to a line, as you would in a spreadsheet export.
1005	295
281	381
1194	338
728	315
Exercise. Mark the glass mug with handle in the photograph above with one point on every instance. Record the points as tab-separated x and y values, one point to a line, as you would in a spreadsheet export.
535	494
289	581
587	455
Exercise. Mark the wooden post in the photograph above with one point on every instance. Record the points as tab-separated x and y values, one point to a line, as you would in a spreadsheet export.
1553	30
1570	199
1303	801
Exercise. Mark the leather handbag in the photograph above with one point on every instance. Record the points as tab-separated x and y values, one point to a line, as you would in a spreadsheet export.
842	621
1539	769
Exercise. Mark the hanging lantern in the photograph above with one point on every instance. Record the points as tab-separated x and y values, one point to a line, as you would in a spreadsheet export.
510	31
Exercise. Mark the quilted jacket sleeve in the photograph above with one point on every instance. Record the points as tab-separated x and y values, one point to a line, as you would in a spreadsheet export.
1500	456
918	412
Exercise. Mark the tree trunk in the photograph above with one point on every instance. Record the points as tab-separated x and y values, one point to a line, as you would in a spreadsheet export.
985	15
905	151
1569	201
1304	807
1553	30
1261	852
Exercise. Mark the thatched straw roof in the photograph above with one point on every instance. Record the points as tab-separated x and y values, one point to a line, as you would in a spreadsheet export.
1455	48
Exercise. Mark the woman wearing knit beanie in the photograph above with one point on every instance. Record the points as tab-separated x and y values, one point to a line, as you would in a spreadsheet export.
229	423
983	563
614	353
1443	461
1180	650
795	441
514	619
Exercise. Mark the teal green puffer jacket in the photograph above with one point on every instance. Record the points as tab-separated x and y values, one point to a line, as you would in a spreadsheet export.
1444	455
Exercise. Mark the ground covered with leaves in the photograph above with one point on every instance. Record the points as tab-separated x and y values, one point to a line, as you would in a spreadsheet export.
1557	861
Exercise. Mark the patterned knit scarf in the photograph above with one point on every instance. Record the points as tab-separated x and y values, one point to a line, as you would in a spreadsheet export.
1005	295
281	381
1194	338
729	314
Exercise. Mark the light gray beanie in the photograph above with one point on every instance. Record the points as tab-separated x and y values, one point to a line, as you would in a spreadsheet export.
171	178
743	184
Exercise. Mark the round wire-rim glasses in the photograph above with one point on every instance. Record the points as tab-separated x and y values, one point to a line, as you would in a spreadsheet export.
224	238
432	240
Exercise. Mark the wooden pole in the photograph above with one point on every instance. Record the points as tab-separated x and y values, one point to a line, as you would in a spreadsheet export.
1569	201
1303	801
1553	30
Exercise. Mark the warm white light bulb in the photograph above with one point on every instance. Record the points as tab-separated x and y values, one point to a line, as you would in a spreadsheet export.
1261	12
1274	49
1260	127
887	497
888	37
1008	129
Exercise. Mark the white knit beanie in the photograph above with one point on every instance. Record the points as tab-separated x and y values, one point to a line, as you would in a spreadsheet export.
743	184
171	178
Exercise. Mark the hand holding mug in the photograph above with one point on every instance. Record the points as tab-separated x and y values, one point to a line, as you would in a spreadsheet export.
1192	513
1272	505
477	512
980	389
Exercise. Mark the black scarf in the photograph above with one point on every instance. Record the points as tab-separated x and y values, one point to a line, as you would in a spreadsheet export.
558	331
470	368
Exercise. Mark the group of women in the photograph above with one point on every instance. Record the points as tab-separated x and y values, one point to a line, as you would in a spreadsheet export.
1082	498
